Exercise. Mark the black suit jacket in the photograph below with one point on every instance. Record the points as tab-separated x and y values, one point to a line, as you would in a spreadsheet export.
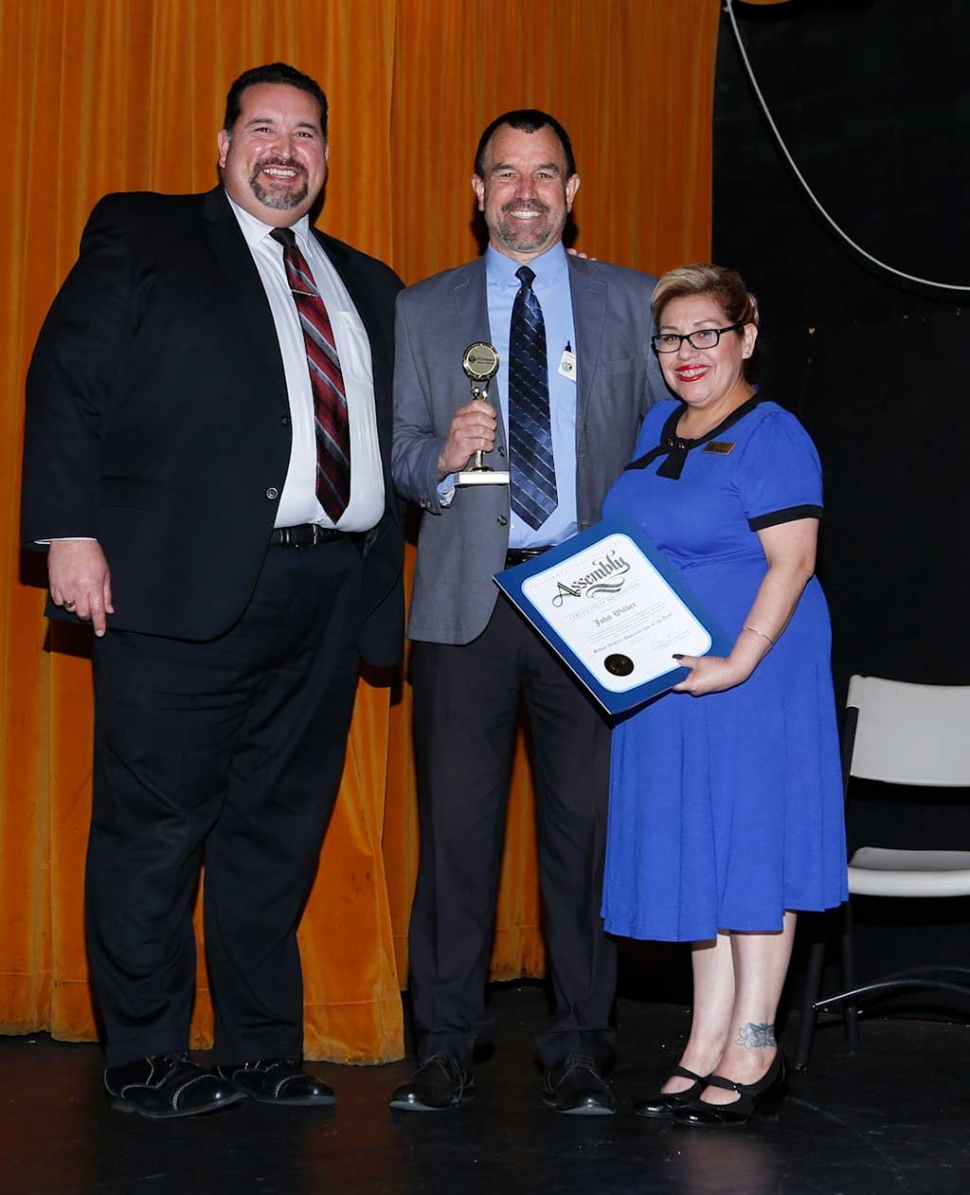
158	422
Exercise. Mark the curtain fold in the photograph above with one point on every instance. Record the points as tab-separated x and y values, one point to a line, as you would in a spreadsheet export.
105	95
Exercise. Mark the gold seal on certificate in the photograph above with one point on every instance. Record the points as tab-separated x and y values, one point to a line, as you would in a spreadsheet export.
480	363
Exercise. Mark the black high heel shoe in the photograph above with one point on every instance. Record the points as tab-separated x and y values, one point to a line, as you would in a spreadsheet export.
754	1099
662	1105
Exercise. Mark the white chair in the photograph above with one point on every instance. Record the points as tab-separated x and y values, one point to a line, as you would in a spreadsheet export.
908	734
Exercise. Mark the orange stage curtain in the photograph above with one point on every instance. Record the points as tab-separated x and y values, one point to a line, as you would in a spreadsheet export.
104	95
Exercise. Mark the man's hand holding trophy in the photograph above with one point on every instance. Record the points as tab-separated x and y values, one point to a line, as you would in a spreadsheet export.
472	432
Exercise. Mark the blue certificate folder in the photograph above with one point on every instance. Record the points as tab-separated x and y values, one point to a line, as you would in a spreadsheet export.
612	607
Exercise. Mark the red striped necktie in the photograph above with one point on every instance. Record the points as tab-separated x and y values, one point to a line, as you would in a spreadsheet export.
326	380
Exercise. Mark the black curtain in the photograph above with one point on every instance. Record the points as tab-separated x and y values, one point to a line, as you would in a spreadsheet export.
871	98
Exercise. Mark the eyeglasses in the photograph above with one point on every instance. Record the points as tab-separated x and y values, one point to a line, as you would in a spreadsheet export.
703	338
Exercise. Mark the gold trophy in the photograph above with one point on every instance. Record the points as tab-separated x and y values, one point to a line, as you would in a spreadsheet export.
480	364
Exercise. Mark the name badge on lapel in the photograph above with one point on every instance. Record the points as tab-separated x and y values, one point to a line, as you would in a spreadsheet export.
719	447
567	363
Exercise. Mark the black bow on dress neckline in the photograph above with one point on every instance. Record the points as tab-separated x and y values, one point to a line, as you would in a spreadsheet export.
676	448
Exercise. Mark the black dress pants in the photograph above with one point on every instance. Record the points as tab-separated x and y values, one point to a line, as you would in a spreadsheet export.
466	704
231	752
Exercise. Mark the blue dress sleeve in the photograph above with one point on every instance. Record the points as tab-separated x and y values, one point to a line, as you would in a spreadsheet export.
652	426
779	474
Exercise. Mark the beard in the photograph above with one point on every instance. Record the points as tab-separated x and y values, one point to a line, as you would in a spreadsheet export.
523	238
281	200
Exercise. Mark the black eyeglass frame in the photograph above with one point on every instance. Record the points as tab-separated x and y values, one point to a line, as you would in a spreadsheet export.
687	336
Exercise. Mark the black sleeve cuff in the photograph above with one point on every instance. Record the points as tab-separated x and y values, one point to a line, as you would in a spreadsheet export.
788	515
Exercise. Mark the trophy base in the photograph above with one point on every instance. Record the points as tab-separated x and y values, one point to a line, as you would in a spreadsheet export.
481	477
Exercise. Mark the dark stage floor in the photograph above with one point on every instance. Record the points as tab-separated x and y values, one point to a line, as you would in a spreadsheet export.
894	1119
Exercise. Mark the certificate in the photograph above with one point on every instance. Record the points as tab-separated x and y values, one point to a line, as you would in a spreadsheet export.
613	608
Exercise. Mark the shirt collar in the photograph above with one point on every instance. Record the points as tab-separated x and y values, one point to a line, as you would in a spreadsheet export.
255	231
548	267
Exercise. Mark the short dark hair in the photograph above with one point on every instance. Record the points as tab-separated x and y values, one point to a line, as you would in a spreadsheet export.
272	72
526	120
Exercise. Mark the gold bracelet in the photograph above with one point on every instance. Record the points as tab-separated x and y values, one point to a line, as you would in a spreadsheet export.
754	630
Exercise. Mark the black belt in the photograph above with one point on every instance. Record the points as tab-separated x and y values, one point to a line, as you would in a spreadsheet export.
307	535
516	556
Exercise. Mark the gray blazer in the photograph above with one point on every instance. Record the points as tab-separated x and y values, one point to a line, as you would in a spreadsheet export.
461	545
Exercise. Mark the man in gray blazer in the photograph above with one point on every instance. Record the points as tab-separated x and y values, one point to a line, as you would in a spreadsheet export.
576	378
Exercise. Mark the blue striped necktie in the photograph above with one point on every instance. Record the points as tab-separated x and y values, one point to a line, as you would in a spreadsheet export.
533	489
330	416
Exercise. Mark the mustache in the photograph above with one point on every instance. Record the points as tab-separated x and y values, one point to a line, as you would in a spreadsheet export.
280	161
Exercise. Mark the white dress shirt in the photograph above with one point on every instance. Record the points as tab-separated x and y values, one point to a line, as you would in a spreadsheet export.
298	501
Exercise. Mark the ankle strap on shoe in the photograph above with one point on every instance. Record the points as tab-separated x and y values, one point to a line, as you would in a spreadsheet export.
726	1084
683	1073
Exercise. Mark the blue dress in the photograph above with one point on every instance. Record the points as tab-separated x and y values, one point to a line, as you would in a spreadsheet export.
726	810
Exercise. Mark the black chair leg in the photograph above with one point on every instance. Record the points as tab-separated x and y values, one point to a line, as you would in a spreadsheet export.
813	985
852	1034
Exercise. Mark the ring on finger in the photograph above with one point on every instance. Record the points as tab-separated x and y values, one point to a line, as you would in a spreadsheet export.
70	604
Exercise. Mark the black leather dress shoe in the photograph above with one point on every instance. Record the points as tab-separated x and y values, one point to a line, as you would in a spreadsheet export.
167	1085
662	1105
278	1081
754	1099
437	1084
576	1086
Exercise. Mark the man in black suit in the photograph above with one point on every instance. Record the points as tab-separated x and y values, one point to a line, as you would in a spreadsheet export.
207	448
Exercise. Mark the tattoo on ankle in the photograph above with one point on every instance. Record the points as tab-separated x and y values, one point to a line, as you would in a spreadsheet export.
756	1035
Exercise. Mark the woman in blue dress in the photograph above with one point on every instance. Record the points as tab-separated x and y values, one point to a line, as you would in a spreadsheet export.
726	795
